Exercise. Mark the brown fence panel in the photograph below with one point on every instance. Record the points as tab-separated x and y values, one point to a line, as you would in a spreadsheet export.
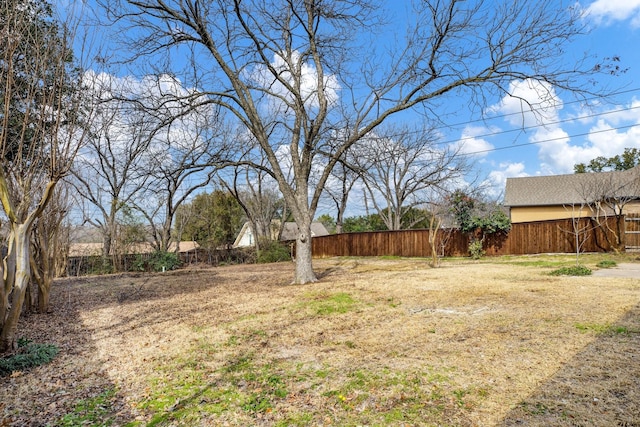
405	243
523	238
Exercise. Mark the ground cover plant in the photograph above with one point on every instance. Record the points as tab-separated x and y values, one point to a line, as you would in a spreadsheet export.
378	342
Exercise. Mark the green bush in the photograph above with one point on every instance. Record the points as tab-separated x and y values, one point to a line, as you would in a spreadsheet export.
158	261
576	270
273	251
475	249
607	263
29	355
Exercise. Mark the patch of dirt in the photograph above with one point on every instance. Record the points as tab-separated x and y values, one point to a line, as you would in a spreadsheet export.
511	345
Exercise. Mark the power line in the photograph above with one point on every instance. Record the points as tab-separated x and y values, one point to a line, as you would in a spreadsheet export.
531	109
526	128
550	140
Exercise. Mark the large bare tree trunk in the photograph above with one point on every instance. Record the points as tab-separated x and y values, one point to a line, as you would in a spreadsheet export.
304	265
20	244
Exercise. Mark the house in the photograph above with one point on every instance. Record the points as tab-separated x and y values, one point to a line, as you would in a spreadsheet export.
289	232
543	198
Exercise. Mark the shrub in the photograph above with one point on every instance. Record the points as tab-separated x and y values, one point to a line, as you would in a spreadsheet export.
158	261
607	263
576	270
273	251
475	249
29	355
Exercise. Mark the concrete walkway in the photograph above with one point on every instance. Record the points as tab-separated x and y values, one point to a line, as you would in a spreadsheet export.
621	270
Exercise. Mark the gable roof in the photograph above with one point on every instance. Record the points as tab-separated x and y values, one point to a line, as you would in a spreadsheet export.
567	189
290	230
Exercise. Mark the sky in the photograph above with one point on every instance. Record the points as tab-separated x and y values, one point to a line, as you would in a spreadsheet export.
568	132
504	142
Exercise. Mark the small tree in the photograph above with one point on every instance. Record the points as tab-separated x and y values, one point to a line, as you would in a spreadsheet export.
478	218
214	219
439	212
579	230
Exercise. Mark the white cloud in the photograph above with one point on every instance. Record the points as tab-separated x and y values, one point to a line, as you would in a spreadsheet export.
529	103
535	107
497	179
472	142
286	70
606	12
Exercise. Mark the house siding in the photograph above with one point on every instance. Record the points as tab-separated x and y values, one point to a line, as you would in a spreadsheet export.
522	214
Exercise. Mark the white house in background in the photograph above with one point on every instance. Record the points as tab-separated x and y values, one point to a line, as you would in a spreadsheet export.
289	232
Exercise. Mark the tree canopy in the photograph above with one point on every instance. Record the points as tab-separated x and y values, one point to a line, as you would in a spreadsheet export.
211	219
630	158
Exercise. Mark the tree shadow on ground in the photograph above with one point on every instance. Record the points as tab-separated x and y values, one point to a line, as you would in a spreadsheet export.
131	288
599	387
72	385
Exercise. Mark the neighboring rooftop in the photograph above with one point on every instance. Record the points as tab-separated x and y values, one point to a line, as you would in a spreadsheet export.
95	249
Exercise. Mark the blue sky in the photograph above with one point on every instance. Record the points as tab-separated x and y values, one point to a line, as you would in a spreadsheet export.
569	133
506	143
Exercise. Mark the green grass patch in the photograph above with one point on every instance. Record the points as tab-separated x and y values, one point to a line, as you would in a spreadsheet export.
90	412
389	397
606	263
29	355
537	263
575	270
600	329
188	391
326	305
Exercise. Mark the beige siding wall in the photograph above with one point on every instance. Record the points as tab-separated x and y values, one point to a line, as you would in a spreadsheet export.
547	213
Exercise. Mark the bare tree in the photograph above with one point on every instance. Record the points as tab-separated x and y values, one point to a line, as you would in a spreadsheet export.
187	149
110	171
401	167
606	195
440	226
291	72
40	134
580	230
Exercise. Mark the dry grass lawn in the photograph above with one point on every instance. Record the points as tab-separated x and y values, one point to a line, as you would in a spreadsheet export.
375	342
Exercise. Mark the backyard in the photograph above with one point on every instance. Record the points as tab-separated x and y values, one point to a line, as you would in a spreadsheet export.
377	342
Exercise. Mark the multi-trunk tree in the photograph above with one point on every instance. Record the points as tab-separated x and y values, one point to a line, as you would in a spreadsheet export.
297	73
41	117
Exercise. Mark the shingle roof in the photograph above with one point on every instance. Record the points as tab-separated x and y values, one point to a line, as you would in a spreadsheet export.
290	230
566	189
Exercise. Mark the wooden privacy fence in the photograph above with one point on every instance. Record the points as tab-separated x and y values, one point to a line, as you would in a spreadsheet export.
526	238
